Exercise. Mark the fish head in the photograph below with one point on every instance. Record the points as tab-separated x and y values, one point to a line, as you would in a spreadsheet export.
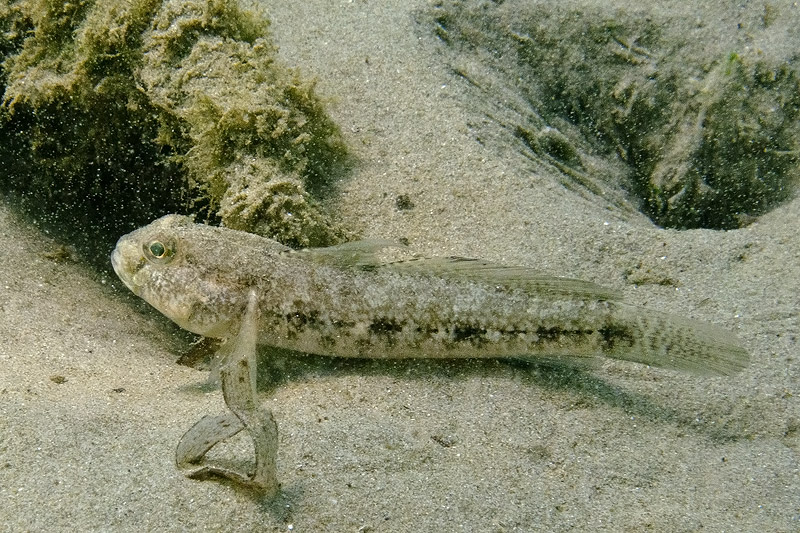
173	264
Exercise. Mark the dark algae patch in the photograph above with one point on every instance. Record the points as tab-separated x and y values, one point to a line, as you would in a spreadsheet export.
697	131
116	112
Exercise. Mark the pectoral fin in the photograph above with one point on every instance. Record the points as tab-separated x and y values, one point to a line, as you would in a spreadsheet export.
238	376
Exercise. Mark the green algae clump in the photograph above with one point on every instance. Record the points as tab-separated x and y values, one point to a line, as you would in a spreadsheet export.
115	113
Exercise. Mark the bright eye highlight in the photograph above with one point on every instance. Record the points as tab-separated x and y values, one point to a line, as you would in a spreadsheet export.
159	251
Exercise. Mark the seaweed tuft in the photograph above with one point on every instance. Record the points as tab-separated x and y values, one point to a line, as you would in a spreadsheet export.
116	113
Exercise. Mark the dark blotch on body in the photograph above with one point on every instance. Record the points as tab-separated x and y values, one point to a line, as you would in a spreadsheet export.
616	337
385	326
466	332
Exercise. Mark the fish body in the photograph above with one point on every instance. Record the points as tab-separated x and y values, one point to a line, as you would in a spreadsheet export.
357	300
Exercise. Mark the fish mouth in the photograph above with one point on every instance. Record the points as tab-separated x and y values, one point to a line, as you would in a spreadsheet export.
119	264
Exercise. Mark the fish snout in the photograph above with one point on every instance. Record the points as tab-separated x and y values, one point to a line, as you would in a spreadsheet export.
122	268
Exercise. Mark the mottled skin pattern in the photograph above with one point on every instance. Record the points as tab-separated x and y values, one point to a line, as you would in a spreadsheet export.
341	301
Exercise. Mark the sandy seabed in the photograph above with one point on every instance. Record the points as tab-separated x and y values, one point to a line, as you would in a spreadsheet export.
92	403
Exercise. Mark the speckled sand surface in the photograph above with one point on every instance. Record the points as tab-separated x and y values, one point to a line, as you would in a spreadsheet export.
92	403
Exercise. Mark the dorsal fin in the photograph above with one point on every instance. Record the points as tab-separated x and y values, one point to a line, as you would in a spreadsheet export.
367	254
376	254
514	277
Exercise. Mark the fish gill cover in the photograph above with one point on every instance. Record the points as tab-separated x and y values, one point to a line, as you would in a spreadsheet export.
114	113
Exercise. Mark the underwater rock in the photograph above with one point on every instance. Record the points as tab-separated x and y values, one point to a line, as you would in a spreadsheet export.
707	130
114	113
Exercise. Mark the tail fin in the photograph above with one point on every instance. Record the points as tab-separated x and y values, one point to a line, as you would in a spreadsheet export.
674	342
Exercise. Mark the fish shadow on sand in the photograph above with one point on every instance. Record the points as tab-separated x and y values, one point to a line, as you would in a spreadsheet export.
583	383
569	386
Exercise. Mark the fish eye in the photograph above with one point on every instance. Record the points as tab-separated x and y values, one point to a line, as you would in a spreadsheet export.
159	251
